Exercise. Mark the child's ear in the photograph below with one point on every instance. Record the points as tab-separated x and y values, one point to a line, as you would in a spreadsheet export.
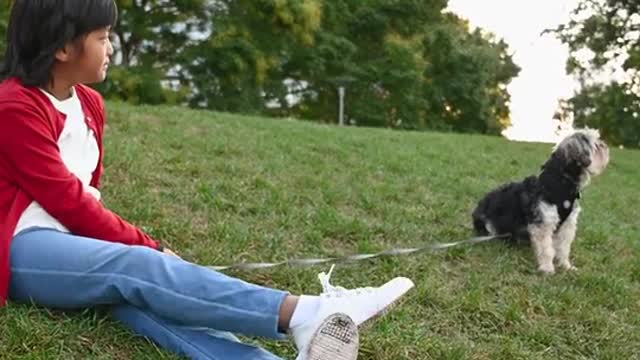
67	53
63	55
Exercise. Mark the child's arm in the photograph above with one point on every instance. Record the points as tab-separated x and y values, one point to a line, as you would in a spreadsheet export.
28	145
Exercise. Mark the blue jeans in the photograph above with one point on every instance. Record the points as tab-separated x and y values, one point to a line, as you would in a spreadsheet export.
185	308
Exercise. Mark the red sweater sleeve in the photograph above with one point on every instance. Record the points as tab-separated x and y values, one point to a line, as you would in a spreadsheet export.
28	142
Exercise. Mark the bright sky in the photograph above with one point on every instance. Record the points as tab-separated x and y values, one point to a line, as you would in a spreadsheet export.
542	58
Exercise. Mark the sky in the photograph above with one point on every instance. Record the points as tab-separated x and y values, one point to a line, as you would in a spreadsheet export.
542	80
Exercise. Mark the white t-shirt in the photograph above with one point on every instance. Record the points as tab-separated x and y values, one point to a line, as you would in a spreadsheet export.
80	153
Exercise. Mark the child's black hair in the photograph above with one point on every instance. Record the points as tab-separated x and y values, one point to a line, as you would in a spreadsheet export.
39	28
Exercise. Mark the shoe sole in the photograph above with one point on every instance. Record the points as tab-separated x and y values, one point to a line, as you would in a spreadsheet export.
336	339
397	302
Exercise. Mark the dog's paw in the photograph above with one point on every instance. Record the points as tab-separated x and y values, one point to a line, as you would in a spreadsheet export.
546	270
568	267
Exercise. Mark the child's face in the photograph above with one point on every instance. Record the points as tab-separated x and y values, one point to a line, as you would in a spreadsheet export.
90	64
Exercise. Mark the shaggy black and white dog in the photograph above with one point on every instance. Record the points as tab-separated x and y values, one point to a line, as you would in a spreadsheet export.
544	209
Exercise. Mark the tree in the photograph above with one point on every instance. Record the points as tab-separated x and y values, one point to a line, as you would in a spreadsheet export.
373	46
405	63
238	67
149	39
612	108
468	77
4	20
603	40
408	65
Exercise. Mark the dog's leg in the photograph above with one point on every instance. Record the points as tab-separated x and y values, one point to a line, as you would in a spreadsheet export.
542	242
564	237
541	234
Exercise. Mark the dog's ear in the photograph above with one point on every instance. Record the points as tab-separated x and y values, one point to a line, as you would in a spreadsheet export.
583	158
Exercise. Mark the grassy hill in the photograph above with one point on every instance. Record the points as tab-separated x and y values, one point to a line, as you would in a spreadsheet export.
222	188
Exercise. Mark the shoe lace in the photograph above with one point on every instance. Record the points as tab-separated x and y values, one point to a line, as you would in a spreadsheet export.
331	290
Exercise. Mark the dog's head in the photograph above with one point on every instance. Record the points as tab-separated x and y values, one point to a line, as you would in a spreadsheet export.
585	151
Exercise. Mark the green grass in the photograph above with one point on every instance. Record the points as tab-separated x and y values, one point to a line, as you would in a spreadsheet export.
222	188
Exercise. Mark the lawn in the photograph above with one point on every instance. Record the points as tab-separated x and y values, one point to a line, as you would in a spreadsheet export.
222	188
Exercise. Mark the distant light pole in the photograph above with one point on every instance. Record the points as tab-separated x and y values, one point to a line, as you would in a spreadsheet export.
341	82
341	91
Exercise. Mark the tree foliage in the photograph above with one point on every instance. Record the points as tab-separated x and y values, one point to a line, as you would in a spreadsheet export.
604	40
4	19
404	63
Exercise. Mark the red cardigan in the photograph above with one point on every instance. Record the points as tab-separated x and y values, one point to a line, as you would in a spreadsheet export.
31	169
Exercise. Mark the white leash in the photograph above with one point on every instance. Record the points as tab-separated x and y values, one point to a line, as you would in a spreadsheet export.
357	257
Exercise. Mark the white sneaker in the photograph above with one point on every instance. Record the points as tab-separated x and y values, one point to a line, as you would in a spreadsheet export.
336	338
361	305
